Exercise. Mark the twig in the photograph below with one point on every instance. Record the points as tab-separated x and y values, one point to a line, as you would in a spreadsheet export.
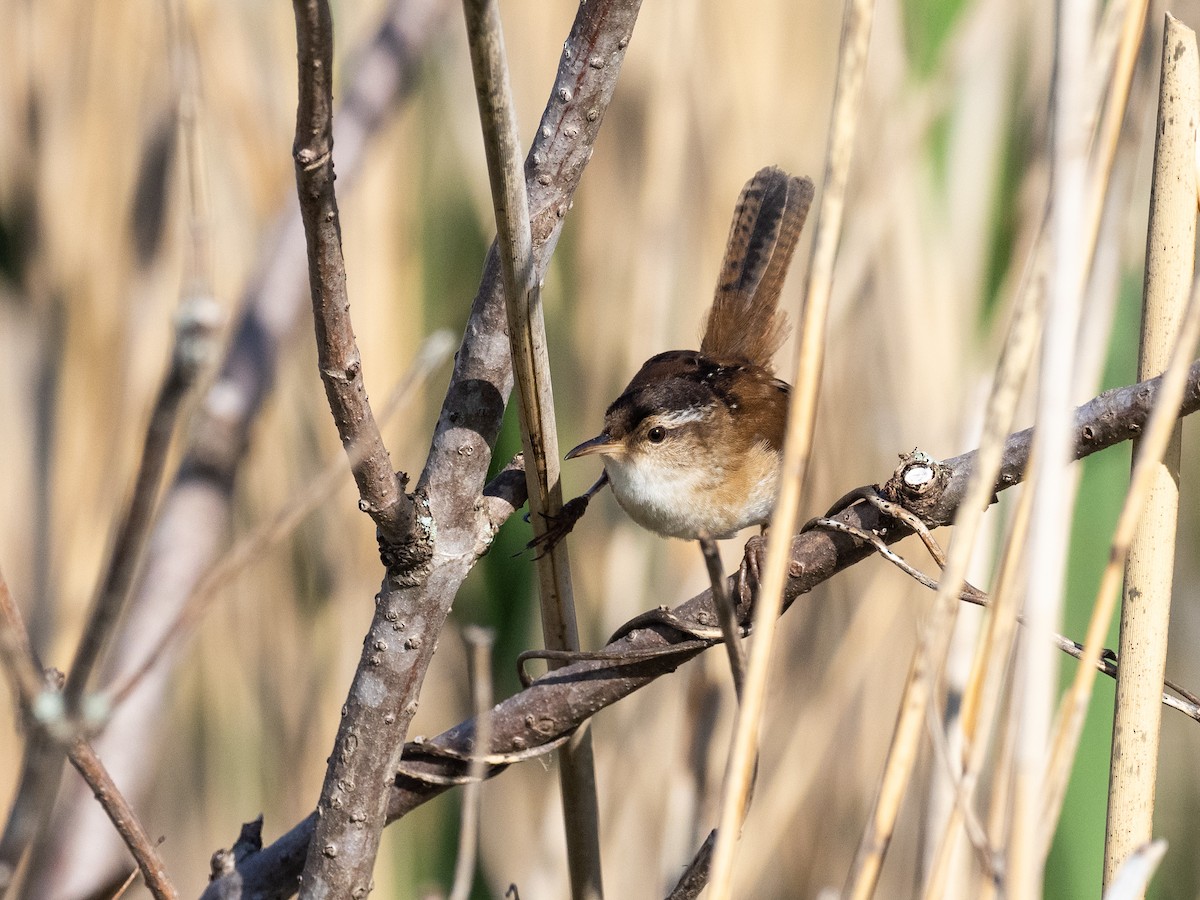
343	856
380	487
559	701
40	767
694	879
121	814
45	729
1145	612
196	322
16	655
479	670
126	884
195	330
1189	706
539	434
726	614
802	410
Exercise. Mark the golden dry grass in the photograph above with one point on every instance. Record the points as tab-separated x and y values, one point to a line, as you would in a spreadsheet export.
948	157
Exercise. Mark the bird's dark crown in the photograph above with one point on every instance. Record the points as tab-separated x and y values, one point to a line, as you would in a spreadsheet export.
684	380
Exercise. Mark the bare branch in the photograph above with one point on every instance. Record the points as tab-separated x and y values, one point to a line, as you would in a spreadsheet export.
408	617
121	814
16	655
43	755
40	769
42	763
694	880
195	330
380	487
558	702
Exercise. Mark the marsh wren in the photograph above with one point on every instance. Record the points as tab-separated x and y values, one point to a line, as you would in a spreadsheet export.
693	446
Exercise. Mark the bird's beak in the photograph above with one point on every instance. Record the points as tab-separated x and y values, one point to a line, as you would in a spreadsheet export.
601	443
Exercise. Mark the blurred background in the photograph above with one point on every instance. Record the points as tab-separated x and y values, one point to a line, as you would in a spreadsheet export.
97	240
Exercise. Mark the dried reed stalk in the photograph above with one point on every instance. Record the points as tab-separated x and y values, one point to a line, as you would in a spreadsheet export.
1046	551
539	434
1153	444
1146	600
743	753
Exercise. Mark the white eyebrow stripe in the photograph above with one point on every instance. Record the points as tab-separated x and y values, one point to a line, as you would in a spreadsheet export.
682	417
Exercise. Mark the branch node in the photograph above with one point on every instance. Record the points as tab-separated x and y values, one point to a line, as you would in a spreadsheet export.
223	862
409	560
309	159
917	484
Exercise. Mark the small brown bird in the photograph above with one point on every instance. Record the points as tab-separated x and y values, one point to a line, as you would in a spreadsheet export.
693	446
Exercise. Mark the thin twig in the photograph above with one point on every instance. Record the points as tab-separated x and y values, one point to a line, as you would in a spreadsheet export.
40	766
46	729
802	410
1189	705
121	814
479	670
539	434
195	331
726	614
694	879
380	488
126	884
16	654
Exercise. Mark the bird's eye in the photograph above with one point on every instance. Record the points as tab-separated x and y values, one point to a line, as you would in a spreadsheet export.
657	434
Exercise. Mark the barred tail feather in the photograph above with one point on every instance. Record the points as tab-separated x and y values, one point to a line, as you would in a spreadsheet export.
745	322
